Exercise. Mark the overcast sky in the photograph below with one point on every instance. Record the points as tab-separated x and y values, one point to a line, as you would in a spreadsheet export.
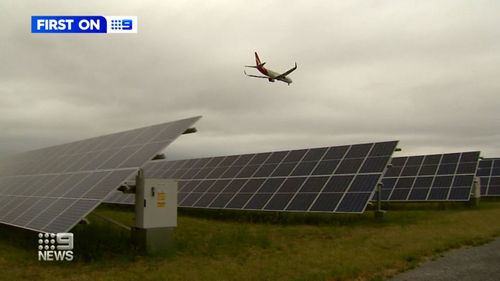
426	73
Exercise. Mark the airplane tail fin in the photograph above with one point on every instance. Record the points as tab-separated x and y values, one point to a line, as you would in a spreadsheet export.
257	59
258	63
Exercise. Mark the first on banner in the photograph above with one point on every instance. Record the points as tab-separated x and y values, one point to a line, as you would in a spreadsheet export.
83	24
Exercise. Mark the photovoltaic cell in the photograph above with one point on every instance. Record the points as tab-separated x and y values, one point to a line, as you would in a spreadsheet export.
489	174
326	179
438	177
51	189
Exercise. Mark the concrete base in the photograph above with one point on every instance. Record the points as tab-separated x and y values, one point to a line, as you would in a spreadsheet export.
475	197
154	240
379	214
474	202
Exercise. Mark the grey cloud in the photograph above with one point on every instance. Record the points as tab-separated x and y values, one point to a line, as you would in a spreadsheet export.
424	73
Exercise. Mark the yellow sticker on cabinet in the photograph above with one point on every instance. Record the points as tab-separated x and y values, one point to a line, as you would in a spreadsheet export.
160	202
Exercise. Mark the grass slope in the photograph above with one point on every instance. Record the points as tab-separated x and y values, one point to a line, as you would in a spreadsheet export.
293	247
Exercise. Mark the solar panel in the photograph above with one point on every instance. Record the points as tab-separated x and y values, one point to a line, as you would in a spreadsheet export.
438	177
489	173
326	179
51	189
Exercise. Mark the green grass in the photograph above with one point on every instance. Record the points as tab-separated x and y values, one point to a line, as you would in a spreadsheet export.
214	245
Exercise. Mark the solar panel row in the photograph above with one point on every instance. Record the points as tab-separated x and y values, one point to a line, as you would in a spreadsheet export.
51	189
437	177
489	173
327	179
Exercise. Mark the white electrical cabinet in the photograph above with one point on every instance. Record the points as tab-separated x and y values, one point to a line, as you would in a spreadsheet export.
156	203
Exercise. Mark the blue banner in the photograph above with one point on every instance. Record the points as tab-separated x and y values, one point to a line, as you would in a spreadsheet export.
68	24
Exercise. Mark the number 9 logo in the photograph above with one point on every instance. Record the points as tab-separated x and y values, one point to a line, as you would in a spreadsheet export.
64	241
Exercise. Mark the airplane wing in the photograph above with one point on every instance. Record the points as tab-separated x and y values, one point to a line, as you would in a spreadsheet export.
287	72
256	76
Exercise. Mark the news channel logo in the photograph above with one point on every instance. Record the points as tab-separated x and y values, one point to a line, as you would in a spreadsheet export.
83	24
55	246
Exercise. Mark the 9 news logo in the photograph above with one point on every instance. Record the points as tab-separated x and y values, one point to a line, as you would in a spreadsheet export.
125	24
55	246
83	24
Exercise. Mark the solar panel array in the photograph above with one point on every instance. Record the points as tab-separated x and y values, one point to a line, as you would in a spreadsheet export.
489	173
327	179
438	177
52	189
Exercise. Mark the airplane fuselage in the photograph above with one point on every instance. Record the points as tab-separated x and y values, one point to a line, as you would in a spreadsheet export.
273	74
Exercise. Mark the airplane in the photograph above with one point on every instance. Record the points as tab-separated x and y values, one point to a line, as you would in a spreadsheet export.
269	74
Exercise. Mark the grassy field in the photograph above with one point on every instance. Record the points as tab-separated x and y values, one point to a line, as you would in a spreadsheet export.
249	246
